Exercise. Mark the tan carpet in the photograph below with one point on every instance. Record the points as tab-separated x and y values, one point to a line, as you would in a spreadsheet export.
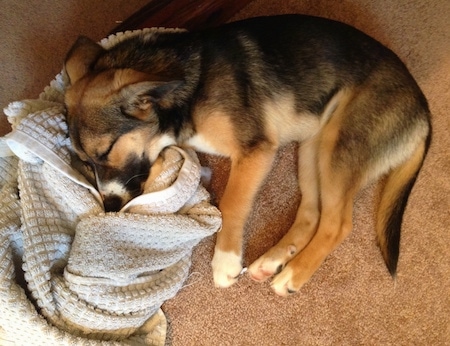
351	300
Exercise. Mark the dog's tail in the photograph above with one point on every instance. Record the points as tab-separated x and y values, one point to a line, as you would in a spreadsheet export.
393	201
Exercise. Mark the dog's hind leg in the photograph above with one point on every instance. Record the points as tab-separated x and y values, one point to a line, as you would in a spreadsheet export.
246	175
329	180
337	196
306	221
341	166
311	151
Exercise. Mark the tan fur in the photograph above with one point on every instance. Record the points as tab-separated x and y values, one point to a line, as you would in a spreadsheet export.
284	125
133	142
215	132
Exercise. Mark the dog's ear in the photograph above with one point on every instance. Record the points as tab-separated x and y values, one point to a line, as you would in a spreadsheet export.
140	98
81	57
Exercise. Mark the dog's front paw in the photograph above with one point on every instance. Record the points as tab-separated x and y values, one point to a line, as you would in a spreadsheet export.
226	268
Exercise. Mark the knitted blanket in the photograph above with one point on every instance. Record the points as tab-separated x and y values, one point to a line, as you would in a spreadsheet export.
71	273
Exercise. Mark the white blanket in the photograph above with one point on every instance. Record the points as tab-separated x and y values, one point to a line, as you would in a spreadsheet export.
72	274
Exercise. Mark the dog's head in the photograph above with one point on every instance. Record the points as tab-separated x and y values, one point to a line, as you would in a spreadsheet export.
113	121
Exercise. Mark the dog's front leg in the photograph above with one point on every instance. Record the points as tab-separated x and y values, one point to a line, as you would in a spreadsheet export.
246	175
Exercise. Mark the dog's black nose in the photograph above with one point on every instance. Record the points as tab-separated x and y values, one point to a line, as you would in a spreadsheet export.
112	203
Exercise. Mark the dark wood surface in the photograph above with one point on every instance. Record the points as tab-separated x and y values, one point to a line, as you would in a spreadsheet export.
188	14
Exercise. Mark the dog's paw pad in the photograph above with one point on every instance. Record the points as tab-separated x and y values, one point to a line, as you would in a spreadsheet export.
226	268
262	269
271	263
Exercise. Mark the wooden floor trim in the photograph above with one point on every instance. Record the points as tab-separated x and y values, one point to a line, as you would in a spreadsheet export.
188	14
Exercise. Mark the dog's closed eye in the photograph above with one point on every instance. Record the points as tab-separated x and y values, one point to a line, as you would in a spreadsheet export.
102	156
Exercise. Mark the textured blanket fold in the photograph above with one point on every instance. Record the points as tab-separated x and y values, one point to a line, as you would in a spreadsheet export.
91	276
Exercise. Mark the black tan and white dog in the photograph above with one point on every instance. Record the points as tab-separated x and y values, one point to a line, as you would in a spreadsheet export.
243	90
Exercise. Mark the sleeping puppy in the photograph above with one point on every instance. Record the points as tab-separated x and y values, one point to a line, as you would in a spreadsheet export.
243	90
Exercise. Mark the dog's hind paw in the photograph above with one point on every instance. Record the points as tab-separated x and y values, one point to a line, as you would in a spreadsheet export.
271	263
283	283
226	268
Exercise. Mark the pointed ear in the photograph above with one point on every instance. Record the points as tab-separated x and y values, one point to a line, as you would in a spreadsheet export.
140	98
81	57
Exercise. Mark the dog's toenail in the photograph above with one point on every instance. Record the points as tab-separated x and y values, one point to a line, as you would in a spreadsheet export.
292	249
279	269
